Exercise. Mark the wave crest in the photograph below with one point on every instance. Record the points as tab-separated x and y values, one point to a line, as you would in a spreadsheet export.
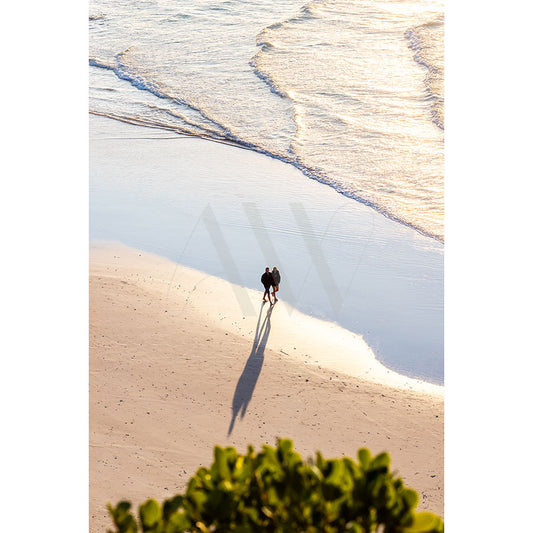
422	40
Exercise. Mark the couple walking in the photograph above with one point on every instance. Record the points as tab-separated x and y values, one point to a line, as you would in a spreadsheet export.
270	279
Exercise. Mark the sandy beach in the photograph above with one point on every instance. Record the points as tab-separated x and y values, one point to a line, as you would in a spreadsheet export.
170	377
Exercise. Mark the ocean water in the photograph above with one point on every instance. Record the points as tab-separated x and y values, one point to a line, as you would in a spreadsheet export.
348	91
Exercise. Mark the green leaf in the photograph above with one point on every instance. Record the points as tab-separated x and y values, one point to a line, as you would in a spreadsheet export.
411	497
335	476
123	507
198	499
221	462
127	524
150	513
284	449
178	523
424	522
381	461
122	518
171	506
365	457
120	510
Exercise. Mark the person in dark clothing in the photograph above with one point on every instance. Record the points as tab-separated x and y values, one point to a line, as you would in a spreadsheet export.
267	281
276	278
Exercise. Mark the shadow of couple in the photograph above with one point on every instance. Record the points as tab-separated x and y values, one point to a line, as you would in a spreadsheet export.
254	364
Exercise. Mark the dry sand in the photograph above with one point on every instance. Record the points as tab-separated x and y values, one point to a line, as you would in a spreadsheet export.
176	369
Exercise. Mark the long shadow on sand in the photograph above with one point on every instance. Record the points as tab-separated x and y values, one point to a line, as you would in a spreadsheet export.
250	374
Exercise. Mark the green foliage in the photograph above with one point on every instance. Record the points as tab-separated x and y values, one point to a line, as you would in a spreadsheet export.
275	491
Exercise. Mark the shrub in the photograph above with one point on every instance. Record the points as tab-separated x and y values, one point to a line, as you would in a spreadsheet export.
275	491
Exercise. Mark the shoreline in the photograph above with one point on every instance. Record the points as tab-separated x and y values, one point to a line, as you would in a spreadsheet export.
230	212
170	378
303	338
309	173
